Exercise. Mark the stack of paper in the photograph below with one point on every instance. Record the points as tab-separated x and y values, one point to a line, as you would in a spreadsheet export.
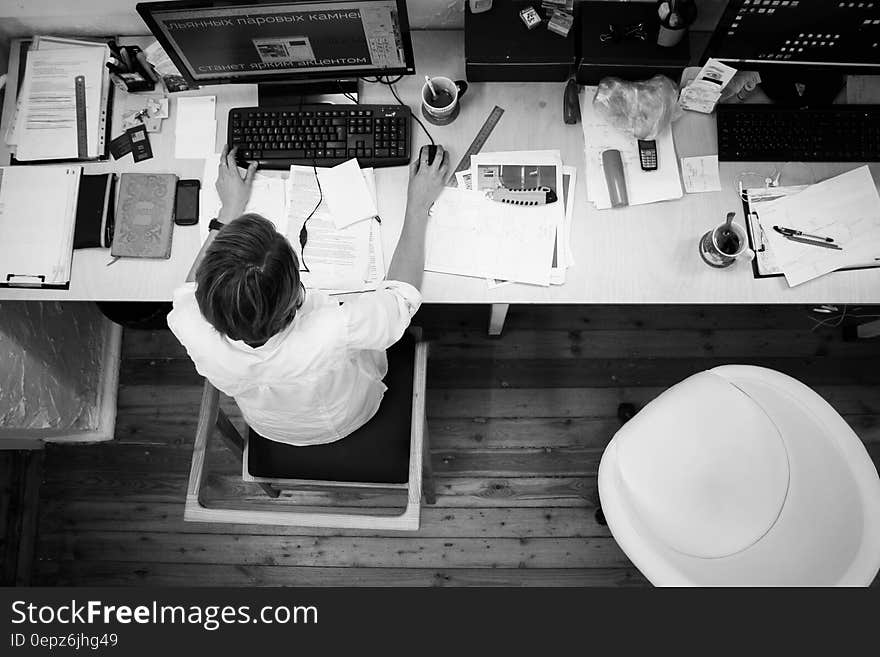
843	211
523	170
37	228
45	125
195	129
641	186
334	259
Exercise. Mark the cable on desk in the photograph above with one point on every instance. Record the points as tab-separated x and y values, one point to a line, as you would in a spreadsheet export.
390	84
303	232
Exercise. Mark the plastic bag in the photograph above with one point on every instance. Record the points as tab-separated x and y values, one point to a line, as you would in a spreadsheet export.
641	109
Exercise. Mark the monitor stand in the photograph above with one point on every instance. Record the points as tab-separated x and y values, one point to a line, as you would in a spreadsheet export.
276	94
804	88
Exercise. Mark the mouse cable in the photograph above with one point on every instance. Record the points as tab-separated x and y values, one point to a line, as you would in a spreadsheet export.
390	84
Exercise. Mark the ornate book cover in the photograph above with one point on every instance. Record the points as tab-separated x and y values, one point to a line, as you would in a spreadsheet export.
144	215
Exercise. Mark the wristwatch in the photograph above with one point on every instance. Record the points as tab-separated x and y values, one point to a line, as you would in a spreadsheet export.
215	224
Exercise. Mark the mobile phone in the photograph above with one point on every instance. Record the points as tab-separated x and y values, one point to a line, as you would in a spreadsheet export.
648	154
186	203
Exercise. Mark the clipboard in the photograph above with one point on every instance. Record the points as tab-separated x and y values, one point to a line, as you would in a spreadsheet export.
756	244
37	228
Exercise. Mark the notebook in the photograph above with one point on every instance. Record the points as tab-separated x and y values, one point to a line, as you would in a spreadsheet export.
144	215
94	211
37	228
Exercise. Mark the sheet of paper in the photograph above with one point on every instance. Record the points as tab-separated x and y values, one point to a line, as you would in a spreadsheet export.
845	208
268	196
700	174
346	194
195	128
662	184
376	262
333	259
43	244
463	178
470	235
46	120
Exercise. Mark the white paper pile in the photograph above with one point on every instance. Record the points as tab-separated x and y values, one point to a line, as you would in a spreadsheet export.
662	184
844	209
336	259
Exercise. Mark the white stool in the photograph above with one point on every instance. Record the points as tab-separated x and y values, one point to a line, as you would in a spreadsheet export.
742	476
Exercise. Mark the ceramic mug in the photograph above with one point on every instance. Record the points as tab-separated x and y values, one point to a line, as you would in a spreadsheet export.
442	108
723	246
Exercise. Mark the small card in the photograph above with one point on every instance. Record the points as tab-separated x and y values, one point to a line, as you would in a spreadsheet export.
700	174
120	146
140	143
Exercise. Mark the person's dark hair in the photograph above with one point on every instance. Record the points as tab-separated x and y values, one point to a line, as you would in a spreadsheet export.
248	281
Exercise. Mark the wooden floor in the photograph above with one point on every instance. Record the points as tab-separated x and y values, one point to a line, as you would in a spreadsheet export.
518	425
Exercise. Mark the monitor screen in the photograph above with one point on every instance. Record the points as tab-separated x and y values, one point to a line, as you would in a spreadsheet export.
817	33
261	41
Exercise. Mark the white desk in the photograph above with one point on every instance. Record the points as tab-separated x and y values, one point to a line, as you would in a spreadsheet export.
643	254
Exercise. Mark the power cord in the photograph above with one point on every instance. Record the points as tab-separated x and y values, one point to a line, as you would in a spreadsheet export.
303	232
390	84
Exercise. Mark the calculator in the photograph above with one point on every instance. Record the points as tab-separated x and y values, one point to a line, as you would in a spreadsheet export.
648	154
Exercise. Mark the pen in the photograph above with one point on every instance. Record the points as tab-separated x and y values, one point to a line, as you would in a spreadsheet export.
791	231
826	245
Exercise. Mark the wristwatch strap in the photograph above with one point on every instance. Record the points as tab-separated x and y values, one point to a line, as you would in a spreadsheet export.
215	225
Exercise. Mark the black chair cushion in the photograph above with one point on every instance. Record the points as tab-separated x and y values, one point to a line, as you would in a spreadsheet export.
378	452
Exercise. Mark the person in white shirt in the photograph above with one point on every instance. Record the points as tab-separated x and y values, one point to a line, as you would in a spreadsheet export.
304	369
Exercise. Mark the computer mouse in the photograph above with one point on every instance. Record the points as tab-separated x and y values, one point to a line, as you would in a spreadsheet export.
432	151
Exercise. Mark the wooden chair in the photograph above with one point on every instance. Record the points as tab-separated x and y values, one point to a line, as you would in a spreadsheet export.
397	434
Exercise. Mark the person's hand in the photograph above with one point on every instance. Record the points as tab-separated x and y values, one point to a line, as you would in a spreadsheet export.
233	188
426	181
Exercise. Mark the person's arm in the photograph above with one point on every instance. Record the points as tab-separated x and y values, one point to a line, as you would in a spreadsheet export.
234	190
425	184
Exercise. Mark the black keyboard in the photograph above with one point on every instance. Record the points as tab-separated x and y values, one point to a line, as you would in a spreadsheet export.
321	135
773	133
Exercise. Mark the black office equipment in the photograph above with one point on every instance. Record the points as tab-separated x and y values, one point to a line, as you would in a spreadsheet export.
94	211
295	50
648	154
620	39
186	202
432	152
801	49
323	135
778	133
571	107
499	48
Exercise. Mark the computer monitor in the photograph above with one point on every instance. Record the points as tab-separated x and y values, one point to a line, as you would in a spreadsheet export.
312	45
801	48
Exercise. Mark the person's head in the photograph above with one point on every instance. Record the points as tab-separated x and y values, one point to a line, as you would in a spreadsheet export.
248	282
